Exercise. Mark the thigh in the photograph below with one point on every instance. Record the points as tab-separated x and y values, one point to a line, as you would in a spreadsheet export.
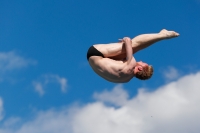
119	57
111	50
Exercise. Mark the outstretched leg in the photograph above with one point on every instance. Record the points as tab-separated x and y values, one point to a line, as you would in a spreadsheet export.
117	50
142	41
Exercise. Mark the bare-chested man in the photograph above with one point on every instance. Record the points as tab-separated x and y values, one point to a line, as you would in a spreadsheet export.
114	61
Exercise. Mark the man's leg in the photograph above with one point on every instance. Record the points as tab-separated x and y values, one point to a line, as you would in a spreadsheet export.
117	50
142	41
111	50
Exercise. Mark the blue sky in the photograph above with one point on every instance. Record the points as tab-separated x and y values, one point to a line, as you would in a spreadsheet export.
43	45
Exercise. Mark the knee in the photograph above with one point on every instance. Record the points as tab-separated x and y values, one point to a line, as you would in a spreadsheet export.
135	42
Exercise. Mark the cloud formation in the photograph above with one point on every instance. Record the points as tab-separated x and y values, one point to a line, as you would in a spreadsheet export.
11	61
45	80
171	73
39	87
1	109
171	108
117	96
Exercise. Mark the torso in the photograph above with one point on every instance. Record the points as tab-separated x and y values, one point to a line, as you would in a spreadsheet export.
116	71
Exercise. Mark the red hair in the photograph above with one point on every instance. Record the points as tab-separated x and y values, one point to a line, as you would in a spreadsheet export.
145	74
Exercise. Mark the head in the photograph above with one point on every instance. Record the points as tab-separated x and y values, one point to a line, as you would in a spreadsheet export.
143	71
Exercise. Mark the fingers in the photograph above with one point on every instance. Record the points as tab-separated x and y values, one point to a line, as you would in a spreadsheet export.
125	39
121	40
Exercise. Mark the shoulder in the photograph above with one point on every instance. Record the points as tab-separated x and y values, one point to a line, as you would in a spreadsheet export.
99	62
107	63
129	67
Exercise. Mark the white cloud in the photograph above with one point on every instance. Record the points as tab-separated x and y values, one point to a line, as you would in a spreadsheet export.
1	109
11	121
38	88
50	121
117	96
10	61
171	73
63	83
172	108
47	79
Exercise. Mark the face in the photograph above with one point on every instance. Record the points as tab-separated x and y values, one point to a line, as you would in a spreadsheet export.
140	66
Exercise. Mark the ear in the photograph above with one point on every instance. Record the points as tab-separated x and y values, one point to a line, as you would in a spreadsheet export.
140	68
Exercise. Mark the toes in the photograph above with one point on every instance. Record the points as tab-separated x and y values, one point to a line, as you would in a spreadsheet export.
177	34
169	34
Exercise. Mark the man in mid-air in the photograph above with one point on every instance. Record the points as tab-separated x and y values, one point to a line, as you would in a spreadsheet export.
114	61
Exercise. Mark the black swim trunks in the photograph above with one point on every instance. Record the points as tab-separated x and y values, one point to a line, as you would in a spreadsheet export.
92	51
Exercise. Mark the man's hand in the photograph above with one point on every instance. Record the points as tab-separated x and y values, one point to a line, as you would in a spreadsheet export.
125	40
128	46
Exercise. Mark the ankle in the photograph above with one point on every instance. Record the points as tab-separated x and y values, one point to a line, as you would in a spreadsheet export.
162	36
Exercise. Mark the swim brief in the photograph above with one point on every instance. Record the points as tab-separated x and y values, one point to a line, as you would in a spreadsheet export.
92	51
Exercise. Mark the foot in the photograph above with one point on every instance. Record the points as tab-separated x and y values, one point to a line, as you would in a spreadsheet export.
168	34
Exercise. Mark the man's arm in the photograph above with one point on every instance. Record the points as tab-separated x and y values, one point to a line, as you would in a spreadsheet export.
128	46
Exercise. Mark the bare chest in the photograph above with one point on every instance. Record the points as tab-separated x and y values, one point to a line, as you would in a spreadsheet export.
116	71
